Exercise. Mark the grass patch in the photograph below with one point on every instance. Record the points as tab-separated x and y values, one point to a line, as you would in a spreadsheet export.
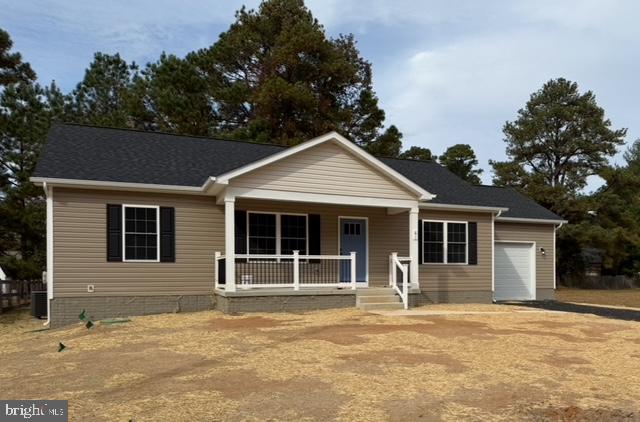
626	297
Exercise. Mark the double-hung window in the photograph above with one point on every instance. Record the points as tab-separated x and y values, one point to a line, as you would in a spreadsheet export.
444	242
262	234
293	234
141	240
276	234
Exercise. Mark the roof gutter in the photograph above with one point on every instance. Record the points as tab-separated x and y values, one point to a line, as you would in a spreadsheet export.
430	205
530	220
97	184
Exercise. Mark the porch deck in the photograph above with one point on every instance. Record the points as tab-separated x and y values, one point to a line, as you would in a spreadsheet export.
304	275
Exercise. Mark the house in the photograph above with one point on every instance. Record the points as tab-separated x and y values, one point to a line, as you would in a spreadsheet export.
144	222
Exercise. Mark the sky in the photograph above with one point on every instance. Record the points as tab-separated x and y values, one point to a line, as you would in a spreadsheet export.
446	72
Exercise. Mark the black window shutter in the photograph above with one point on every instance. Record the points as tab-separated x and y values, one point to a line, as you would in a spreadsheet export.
241	232
473	243
167	234
314	236
114	232
420	245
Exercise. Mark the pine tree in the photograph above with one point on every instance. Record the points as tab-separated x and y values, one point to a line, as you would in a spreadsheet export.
176	97
387	144
461	160
418	153
12	68
26	111
104	97
560	138
275	76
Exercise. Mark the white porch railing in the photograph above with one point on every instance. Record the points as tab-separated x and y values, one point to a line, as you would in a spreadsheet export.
396	264
287	271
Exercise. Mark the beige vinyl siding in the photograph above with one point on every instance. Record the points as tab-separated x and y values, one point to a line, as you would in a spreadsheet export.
79	226
324	169
459	277
387	233
543	235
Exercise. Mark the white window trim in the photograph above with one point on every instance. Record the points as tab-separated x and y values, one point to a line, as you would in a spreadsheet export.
445	242
278	230
124	232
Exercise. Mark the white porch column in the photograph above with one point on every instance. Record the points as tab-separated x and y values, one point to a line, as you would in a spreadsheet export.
413	246
230	244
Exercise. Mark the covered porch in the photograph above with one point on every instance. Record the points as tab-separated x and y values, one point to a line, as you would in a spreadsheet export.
279	247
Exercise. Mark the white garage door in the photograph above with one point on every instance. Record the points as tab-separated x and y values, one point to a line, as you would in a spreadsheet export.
514	279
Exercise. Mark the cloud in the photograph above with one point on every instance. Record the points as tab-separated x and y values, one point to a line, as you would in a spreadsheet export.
446	72
464	90
61	36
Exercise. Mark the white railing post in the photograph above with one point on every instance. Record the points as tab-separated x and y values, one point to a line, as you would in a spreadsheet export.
216	271
296	270
394	274
405	285
353	270
390	270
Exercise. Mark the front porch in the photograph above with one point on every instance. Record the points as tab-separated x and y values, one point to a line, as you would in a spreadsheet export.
328	266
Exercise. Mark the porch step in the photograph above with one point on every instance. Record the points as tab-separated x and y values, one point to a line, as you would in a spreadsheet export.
378	298
375	291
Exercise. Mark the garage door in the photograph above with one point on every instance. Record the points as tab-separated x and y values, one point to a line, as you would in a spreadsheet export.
514	278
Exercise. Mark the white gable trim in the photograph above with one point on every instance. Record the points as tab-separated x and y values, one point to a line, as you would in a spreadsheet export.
343	142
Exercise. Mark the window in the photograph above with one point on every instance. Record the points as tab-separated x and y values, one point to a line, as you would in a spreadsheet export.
352	229
262	234
276	234
140	235
433	248
444	242
456	243
293	229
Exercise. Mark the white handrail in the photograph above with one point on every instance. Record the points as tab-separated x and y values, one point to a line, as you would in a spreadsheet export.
295	260
281	256
394	262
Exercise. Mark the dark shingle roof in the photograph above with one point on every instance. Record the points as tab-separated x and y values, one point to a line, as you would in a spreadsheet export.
450	189
519	205
436	179
119	155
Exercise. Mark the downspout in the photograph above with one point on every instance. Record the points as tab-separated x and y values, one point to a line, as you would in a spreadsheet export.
493	250
555	230
49	249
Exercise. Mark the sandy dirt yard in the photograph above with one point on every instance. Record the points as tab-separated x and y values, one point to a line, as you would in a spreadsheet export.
508	363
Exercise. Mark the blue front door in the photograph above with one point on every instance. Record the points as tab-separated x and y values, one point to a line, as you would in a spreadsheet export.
353	238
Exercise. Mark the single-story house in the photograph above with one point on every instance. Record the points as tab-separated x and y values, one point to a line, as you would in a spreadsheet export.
143	222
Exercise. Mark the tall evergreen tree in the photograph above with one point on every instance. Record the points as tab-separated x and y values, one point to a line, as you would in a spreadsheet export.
26	111
175	97
559	139
418	153
461	160
388	144
275	76
608	220
12	68
104	96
